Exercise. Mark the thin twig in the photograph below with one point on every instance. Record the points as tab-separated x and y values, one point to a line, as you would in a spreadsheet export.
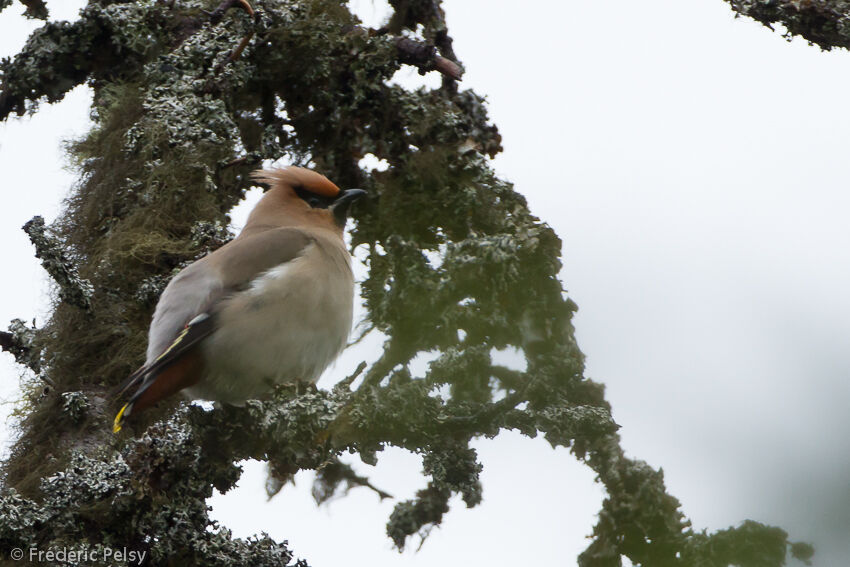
218	14
448	68
241	47
215	18
36	9
366	330
346	382
234	55
234	162
426	58
335	472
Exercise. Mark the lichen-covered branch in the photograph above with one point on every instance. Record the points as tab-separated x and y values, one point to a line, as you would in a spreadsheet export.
174	464
425	57
332	476
73	289
218	14
36	9
19	341
429	14
56	58
825	23
149	498
104	44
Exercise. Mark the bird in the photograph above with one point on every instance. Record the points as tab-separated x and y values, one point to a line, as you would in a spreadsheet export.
272	306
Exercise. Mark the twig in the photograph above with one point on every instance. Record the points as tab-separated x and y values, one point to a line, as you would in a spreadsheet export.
241	47
380	369
346	382
448	68
215	17
217	14
443	41
426	58
334	473
73	289
490	411
366	330
817	21
234	162
36	9
234	55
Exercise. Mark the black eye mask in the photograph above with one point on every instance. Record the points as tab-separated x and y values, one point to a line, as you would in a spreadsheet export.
315	201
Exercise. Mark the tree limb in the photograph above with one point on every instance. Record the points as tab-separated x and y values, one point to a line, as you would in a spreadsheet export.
426	58
18	341
218	14
72	288
821	22
36	9
335	473
60	55
53	61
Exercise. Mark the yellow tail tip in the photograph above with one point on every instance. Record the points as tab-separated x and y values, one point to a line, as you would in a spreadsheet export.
119	420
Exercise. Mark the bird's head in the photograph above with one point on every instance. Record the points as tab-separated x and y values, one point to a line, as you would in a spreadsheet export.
337	205
301	197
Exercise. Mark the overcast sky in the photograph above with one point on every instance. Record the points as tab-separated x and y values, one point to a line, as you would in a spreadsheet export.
695	166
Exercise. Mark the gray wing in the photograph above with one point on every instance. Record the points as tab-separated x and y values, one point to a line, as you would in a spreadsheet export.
201	285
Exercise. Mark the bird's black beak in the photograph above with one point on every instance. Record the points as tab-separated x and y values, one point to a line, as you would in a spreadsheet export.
340	206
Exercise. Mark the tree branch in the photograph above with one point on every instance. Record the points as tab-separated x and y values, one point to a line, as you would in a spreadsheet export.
18	342
36	9
55	59
218	14
335	473
72	288
429	13
60	55
821	22
426	58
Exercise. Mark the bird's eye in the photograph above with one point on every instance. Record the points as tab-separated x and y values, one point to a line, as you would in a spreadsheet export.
314	202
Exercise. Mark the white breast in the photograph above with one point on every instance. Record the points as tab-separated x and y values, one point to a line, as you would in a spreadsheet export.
289	325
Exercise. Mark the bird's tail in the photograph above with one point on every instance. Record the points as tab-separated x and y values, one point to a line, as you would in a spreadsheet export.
176	368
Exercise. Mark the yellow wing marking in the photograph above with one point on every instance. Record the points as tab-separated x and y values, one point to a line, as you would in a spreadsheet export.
116	425
174	344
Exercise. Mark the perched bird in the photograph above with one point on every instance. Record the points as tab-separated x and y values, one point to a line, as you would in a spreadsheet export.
274	305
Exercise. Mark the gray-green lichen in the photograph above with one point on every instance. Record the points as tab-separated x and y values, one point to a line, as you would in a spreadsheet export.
75	405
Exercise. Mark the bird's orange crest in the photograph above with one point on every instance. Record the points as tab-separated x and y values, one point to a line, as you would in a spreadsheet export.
298	177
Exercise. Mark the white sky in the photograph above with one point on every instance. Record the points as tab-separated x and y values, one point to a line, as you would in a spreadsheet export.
695	167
